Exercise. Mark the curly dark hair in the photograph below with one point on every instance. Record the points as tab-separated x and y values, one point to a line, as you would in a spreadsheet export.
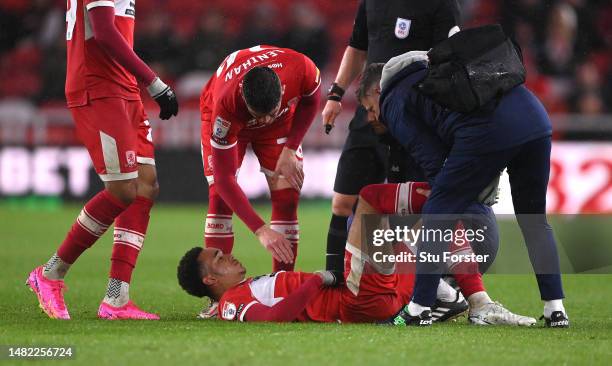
371	75
261	89
190	272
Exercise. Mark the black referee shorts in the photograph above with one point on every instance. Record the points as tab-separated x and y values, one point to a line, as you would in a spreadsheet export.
367	159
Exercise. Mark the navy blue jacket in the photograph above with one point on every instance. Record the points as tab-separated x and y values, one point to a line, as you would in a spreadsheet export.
425	128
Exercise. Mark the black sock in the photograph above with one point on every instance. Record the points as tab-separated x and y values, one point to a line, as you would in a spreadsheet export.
336	241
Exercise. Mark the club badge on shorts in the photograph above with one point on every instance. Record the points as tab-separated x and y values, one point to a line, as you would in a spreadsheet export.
221	127
130	158
402	28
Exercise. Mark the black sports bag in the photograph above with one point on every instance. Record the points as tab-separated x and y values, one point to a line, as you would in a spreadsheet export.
472	68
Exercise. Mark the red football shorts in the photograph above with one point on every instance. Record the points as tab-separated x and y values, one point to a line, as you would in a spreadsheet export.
117	134
265	144
370	294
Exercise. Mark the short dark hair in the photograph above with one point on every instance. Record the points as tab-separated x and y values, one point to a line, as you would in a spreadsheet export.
370	76
261	89
190	273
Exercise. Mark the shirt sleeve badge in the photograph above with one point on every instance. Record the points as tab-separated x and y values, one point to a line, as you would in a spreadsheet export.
402	28
221	127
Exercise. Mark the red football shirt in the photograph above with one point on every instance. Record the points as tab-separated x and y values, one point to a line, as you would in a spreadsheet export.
223	108
91	72
270	289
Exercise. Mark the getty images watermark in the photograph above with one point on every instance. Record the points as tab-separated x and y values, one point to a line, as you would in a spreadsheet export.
462	243
459	250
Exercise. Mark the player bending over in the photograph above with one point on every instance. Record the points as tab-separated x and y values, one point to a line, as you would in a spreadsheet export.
371	293
267	97
104	100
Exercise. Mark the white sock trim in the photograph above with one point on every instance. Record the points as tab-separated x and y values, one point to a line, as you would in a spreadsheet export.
551	306
478	299
415	309
445	292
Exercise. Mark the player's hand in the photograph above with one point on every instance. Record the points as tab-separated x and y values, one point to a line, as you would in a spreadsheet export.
331	110
291	168
275	243
165	98
329	278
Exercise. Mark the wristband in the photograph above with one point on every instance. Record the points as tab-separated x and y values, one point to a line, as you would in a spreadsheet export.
335	90
156	87
334	97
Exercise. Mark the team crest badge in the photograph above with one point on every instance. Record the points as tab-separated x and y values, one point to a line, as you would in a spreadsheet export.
130	157
402	28
221	128
229	311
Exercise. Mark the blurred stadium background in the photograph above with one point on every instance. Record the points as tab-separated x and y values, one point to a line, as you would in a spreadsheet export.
567	46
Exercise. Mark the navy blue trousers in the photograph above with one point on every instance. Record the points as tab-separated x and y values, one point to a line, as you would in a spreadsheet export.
458	185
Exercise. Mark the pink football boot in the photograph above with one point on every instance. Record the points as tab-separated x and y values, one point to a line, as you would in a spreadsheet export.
127	311
50	294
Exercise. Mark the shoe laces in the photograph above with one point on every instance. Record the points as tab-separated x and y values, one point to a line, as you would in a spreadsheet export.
500	309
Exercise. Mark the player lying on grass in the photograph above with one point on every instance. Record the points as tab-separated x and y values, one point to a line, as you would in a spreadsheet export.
513	132
373	292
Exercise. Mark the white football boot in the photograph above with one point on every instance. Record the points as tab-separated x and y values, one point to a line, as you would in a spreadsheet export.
495	313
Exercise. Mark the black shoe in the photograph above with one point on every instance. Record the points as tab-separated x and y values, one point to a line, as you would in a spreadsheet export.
557	319
447	310
403	318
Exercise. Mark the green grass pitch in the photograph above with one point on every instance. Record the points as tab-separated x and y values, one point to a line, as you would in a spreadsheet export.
29	237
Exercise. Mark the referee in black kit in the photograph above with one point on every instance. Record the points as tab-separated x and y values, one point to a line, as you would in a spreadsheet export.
383	29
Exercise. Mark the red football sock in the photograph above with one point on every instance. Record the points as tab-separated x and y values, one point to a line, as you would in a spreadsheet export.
92	222
466	274
218	231
130	231
285	221
393	198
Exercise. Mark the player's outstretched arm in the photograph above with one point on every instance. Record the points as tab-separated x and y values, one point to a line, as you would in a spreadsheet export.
290	307
102	20
224	168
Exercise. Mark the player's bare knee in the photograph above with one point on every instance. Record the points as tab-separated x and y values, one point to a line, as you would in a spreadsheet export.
153	191
148	186
148	189
342	205
124	190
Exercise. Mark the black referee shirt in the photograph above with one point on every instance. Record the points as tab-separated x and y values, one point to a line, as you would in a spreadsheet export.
387	28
